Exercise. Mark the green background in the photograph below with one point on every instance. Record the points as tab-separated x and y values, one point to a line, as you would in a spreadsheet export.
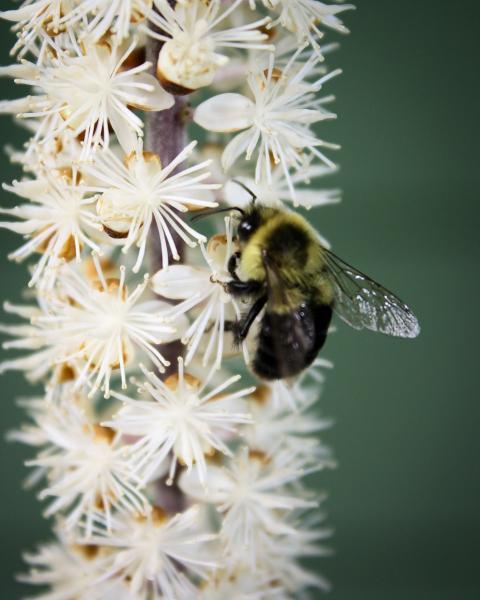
405	499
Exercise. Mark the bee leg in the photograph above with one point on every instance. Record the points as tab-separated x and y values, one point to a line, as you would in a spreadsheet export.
241	328
236	287
247	321
232	265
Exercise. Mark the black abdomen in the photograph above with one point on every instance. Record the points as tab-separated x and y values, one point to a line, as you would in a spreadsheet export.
289	342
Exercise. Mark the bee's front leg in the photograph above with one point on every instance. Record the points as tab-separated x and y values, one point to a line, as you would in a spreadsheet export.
232	265
241	328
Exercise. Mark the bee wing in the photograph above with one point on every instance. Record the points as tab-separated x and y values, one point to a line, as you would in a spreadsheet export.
364	303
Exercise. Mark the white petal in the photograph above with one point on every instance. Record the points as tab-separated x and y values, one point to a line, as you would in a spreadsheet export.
127	137
225	113
235	147
22	228
316	198
158	99
18	14
180	282
16	106
25	71
180	325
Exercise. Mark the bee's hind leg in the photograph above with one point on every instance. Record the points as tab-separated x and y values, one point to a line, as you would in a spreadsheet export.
241	328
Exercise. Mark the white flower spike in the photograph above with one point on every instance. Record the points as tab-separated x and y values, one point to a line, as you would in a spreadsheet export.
165	478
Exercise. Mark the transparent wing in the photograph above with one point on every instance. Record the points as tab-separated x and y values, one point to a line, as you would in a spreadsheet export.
364	303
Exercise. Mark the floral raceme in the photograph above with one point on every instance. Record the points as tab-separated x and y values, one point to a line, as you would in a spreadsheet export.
165	468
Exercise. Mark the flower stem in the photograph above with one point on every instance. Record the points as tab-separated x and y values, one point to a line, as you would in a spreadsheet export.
166	136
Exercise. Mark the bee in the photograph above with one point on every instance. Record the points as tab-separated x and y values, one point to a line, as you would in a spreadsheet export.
282	269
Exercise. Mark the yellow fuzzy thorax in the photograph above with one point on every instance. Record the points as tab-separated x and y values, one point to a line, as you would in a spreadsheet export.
252	263
289	283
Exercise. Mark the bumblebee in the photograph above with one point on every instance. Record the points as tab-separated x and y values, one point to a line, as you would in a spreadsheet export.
282	269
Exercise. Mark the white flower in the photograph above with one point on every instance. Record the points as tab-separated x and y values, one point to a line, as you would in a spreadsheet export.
37	20
275	124
278	191
273	431
97	327
140	194
91	92
160	554
115	474
202	290
242	584
58	155
277	572
281	557
44	25
87	468
45	353
107	17
32	433
188	57
58	222
252	494
72	571
287	397
182	418
303	17
232	76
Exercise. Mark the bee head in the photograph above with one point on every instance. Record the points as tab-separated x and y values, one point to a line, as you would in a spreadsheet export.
254	217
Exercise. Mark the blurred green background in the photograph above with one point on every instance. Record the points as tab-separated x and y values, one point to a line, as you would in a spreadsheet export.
405	500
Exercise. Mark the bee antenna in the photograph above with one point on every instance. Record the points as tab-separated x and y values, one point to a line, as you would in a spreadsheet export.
215	211
247	189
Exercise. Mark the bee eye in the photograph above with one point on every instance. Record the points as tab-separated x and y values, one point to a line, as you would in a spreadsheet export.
246	227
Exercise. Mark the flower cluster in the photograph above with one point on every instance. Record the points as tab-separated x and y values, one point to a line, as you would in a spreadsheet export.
163	474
